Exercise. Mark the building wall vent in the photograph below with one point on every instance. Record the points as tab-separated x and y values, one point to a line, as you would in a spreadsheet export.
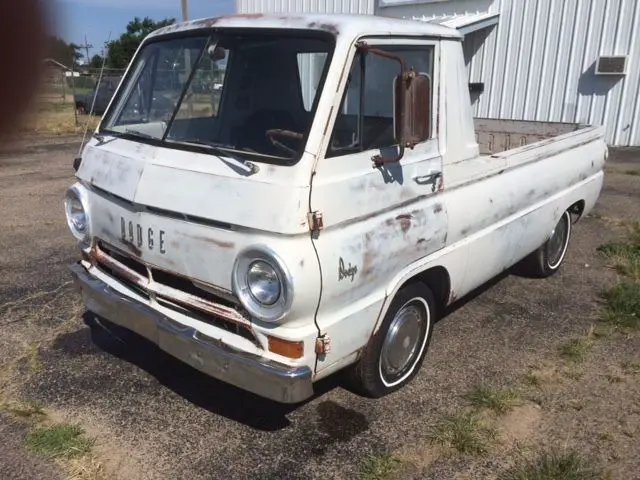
611	65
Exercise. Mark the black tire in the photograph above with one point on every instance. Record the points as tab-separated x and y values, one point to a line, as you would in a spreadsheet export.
548	258
368	376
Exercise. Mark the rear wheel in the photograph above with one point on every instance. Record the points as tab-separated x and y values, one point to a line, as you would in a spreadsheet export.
547	259
396	352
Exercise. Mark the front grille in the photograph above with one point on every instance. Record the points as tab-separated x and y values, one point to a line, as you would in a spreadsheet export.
146	280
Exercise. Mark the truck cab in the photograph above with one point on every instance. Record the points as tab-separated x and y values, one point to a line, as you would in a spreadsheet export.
319	210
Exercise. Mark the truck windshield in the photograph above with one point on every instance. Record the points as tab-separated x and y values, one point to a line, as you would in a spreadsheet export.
249	95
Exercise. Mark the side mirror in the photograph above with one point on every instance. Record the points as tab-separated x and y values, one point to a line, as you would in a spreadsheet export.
412	108
411	113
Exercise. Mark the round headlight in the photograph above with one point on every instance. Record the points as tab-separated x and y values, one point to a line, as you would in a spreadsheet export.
263	282
76	212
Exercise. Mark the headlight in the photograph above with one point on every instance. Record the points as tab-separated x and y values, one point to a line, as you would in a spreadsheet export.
75	207
262	284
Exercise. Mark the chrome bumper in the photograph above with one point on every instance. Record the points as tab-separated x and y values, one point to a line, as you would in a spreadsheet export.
261	376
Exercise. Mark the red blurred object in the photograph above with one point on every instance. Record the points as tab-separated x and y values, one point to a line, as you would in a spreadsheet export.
22	45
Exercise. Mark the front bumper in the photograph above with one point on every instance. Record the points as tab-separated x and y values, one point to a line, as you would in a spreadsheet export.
250	372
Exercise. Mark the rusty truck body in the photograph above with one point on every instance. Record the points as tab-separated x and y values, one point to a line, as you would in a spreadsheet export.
323	208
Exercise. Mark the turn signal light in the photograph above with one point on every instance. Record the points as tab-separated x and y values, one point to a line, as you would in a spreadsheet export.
286	348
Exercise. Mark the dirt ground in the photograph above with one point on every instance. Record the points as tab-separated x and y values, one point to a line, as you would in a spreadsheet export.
151	417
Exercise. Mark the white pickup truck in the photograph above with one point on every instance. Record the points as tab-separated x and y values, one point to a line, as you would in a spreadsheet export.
320	210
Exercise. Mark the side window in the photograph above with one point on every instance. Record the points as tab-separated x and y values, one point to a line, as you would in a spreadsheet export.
365	119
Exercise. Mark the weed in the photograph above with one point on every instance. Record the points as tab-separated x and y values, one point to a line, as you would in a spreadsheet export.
623	306
63	440
576	349
553	466
624	257
533	379
465	432
498	400
378	467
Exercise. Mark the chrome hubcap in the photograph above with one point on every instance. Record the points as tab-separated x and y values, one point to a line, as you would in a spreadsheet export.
557	241
401	343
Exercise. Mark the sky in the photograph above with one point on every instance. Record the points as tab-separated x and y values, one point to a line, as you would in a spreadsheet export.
74	19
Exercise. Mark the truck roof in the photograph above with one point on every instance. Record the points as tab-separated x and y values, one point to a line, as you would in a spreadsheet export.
348	25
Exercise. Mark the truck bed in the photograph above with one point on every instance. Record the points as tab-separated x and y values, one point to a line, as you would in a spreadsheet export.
494	136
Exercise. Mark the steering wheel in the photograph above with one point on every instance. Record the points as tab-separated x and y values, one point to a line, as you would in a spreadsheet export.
276	132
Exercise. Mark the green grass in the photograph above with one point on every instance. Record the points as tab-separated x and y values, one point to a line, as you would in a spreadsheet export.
554	466
576	349
63	440
623	306
498	400
378	467
464	432
623	257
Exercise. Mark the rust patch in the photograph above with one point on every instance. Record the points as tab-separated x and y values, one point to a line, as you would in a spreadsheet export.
175	245
327	27
369	256
123	270
215	242
405	222
452	297
437	208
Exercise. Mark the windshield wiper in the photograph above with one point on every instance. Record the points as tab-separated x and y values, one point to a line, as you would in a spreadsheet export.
222	151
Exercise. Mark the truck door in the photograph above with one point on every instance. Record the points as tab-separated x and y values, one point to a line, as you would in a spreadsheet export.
376	220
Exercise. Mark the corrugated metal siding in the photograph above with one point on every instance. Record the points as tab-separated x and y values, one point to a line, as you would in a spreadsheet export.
538	63
306	6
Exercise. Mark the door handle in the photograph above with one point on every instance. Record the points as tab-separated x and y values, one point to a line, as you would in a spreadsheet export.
430	177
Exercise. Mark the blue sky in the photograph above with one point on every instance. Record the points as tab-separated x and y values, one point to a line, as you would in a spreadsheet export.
96	18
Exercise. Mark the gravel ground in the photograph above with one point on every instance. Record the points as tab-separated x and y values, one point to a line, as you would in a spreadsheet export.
153	417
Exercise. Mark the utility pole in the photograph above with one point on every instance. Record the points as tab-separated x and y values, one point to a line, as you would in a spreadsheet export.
185	10
86	47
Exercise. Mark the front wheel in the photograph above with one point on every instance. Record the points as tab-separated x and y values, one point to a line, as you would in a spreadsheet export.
396	352
548	258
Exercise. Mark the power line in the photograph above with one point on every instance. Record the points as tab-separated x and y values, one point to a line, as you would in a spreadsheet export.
86	46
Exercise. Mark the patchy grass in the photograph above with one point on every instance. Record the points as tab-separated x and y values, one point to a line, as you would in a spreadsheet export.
623	257
64	440
57	118
533	379
633	172
379	467
623	306
498	400
554	466
26	409
576	349
465	432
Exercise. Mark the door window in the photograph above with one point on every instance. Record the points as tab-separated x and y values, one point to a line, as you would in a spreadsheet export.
365	119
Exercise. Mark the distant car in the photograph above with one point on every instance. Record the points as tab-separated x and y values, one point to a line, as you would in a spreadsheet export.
102	93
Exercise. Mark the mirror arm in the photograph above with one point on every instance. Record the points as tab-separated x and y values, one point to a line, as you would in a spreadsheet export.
381	53
379	160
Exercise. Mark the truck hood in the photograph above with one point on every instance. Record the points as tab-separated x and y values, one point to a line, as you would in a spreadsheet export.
197	185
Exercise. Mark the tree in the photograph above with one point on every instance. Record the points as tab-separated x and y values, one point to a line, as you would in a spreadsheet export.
96	62
63	52
122	50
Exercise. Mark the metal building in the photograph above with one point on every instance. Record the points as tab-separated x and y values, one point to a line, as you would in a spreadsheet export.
546	60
